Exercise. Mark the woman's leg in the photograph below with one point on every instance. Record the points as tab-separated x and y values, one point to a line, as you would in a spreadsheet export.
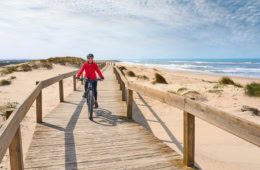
95	90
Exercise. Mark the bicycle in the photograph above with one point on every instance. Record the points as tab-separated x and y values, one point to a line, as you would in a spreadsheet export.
90	96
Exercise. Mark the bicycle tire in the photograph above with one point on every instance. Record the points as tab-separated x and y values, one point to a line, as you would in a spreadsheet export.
90	104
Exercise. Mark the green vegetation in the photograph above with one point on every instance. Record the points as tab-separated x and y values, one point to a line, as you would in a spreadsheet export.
46	64
255	111
131	74
67	60
25	67
5	82
122	68
182	89
143	77
159	79
209	81
253	89
7	106
173	92
228	81
215	91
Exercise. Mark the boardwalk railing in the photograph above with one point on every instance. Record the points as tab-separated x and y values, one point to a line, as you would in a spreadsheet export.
242	128
10	133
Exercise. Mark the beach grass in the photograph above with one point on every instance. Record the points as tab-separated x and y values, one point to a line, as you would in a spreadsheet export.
255	111
215	91
160	79
143	77
182	89
253	89
131	74
228	81
5	82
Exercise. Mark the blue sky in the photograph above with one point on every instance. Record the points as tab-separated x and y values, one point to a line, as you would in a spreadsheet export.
113	29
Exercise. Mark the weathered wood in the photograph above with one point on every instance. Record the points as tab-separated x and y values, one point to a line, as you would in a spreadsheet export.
189	139
50	81
74	83
61	91
68	140
10	127
15	149
130	104
242	128
123	92
39	106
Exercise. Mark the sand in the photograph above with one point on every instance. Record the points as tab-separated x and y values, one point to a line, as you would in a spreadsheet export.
214	148
21	87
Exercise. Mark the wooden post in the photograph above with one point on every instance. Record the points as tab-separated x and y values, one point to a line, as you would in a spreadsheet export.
39	107
61	91
74	83
130	104
15	149
82	80
123	92
189	139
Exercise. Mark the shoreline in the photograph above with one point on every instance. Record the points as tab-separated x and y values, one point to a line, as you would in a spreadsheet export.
194	71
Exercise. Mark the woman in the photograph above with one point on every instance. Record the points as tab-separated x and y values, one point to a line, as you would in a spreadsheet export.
91	68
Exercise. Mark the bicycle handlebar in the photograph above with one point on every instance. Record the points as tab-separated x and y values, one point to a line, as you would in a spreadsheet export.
86	79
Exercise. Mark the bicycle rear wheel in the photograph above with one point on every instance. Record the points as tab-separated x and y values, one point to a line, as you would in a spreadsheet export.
90	104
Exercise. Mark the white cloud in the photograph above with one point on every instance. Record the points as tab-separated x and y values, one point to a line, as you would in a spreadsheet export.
111	27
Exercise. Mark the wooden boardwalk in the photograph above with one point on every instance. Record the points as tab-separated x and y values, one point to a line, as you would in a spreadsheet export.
68	140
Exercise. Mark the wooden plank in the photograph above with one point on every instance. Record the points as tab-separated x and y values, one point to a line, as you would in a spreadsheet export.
8	130
39	106
130	104
242	128
74	83
189	139
61	91
123	92
15	149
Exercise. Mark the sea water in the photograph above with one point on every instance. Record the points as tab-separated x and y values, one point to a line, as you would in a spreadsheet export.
225	67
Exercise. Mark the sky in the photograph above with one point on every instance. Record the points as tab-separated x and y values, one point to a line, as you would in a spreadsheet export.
129	29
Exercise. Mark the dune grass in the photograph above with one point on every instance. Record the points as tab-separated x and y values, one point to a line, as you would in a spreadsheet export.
131	74
182	89
143	77
5	82
215	91
160	79
253	89
255	111
228	81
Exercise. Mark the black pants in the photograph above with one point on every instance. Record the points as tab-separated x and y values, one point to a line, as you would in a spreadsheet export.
94	85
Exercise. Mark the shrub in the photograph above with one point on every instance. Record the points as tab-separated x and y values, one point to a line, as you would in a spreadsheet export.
5	82
191	93
25	67
131	74
143	77
253	89
182	89
122	68
255	111
173	92
159	79
46	64
215	91
227	80
12	77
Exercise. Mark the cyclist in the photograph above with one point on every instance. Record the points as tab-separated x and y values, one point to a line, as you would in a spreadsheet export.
90	68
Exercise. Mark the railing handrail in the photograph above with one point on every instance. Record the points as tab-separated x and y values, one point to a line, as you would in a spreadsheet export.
237	126
9	128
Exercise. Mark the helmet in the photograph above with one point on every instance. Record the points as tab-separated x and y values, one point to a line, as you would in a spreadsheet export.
90	55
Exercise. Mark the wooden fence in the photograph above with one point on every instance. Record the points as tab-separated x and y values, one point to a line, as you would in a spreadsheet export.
10	133
242	128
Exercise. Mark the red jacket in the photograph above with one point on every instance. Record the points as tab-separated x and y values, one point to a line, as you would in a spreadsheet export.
90	71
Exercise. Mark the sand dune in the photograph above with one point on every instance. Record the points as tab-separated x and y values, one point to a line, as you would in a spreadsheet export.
214	148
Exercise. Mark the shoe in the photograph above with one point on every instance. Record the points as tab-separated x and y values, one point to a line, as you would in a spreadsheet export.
84	95
96	105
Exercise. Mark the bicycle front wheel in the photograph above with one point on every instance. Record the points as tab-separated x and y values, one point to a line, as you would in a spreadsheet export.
90	104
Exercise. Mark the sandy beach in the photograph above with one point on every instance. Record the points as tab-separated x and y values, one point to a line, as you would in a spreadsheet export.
214	148
21	87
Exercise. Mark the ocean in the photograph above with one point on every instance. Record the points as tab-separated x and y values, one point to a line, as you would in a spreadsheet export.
224	67
8	62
